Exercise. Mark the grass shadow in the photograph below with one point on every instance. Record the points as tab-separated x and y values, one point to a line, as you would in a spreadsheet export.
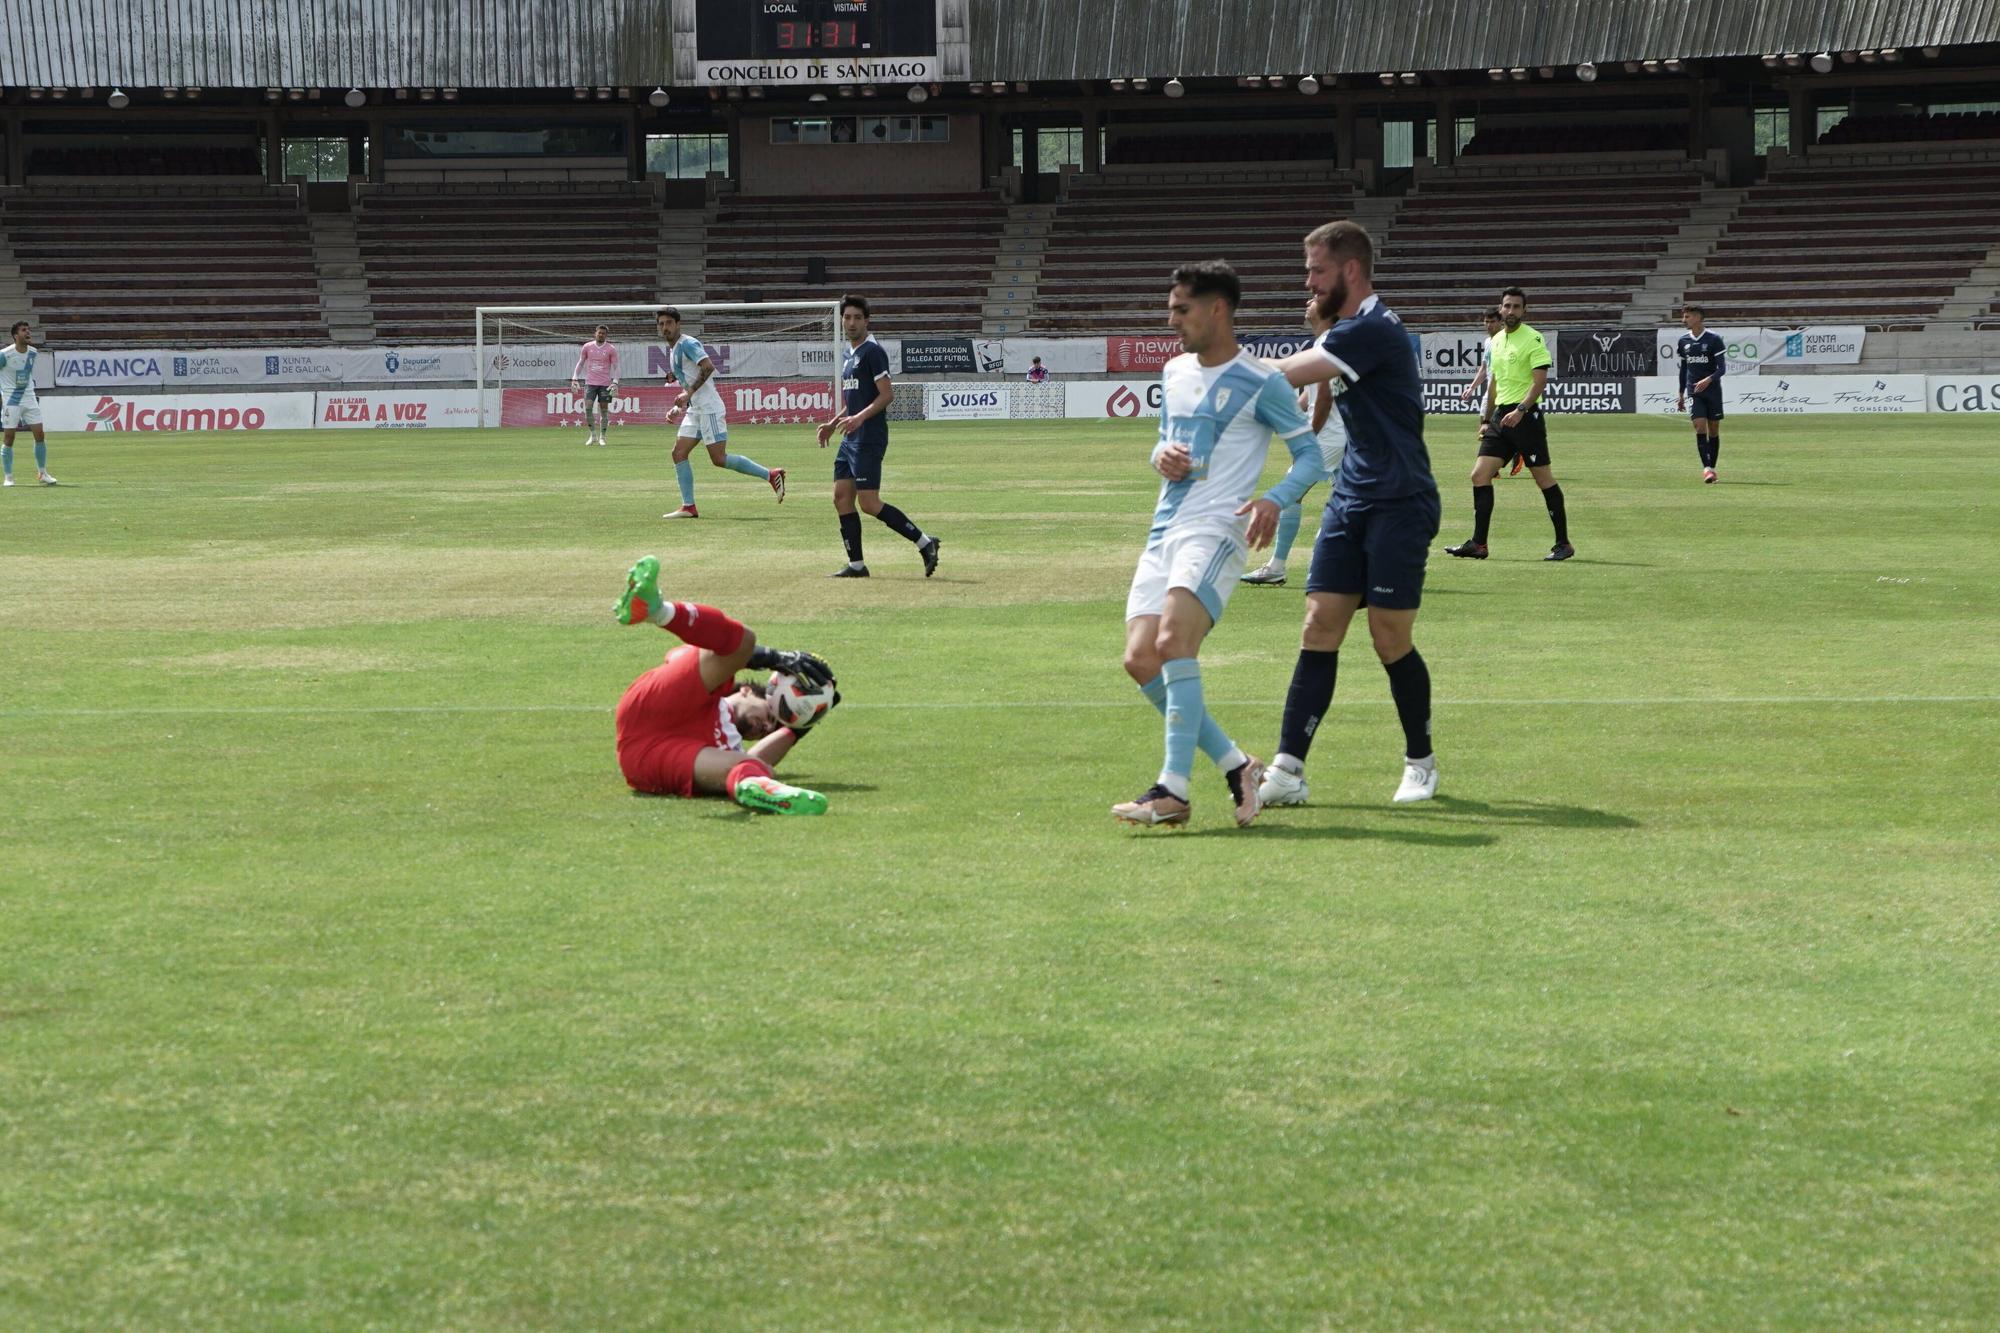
1343	833
1538	814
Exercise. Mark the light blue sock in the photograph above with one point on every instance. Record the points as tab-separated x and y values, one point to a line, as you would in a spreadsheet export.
1213	741
684	474
738	463
41	455
7	459
1185	710
1288	531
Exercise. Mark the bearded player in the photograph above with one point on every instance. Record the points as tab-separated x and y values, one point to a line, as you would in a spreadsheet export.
682	725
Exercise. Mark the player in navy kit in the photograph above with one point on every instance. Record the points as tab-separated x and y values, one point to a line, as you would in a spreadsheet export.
1379	521
863	425
1700	355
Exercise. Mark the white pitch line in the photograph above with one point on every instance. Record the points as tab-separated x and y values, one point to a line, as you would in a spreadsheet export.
391	710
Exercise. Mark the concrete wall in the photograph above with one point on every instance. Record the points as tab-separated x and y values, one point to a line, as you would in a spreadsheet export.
857	168
1928	352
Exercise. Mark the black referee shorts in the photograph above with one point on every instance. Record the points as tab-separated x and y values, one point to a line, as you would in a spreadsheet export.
1529	439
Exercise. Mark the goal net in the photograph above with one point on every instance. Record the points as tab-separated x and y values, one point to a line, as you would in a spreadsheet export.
774	360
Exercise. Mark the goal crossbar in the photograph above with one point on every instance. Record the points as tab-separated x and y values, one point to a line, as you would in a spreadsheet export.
480	314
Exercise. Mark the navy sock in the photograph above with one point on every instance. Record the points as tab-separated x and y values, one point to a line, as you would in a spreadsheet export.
1701	447
898	521
1410	686
850	537
1482	512
1306	702
1714	445
1553	498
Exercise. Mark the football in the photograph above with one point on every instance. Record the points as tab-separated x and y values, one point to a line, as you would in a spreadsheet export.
796	702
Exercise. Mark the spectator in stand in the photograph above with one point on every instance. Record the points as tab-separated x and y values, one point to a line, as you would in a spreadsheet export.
1037	372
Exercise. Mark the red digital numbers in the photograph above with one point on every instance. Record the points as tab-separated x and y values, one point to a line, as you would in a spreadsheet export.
830	36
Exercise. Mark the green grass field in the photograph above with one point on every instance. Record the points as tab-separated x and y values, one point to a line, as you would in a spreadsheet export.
343	983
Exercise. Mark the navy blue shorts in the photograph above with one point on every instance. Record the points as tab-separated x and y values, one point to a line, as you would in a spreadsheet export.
860	464
1707	405
1375	549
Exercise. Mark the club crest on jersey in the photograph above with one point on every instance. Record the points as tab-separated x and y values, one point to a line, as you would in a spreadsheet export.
1222	399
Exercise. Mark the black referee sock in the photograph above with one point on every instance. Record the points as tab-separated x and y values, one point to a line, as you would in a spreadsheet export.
1482	512
1410	686
1553	498
850	537
900	522
1307	700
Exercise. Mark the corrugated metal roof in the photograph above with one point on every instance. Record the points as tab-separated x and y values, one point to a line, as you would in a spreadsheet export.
566	43
326	43
1099	39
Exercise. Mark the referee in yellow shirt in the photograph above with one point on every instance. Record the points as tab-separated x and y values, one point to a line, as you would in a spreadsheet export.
1511	425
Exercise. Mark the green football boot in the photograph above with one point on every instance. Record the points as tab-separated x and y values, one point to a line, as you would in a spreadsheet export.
773	797
642	591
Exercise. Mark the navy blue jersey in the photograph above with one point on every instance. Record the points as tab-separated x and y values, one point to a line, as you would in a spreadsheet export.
1381	399
861	373
1699	358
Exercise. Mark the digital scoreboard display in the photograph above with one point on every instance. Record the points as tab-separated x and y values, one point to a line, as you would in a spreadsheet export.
816	41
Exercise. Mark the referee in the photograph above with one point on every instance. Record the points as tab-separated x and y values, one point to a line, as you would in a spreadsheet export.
1511	425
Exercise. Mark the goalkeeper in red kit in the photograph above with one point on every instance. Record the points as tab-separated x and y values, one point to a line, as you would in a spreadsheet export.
682	727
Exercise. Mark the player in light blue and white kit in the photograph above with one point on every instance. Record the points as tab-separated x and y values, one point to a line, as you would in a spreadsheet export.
1331	432
20	405
1219	408
705	421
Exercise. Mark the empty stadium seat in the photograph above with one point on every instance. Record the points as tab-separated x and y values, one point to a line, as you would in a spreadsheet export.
120	268
1580	245
923	261
1113	243
432	255
1831	242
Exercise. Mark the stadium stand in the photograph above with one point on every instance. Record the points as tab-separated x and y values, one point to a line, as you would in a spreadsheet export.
1948	126
1883	245
1265	147
214	265
1112	243
919	259
432	254
1544	140
1580	244
163	160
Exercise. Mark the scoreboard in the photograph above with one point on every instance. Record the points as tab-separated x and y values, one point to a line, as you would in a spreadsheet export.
815	41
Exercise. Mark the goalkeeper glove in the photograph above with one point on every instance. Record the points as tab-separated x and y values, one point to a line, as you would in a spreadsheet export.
806	666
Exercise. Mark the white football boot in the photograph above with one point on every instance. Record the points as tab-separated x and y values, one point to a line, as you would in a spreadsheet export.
1420	780
1269	574
1281	786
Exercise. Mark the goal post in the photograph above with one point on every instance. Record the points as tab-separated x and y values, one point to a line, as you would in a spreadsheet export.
768	340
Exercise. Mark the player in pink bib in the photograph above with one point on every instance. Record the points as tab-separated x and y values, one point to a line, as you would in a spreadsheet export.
596	377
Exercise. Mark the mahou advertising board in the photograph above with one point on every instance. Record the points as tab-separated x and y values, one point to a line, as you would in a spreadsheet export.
748	403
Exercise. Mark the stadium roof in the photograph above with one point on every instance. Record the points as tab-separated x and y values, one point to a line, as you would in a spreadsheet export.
574	43
1093	39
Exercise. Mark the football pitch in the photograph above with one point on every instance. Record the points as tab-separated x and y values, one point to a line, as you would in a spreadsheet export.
344	984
